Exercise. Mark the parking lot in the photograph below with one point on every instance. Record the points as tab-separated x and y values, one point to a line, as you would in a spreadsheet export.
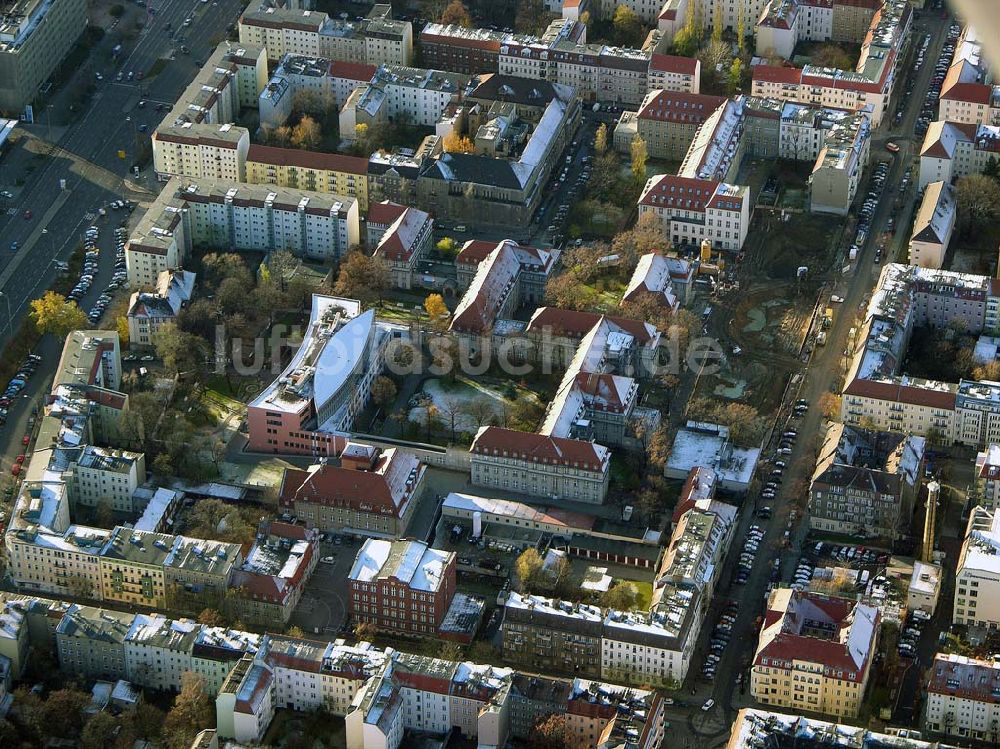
91	264
323	608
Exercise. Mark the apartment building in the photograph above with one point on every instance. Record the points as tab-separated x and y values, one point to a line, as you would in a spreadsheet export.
667	121
551	635
933	225
540	465
401	586
149	311
158	651
839	165
327	383
952	150
35	36
987	477
90	642
674	73
314	171
906	296
668	280
244	706
200	151
376	39
866	483
962	697
418	693
271	581
499	185
372	493
535	266
216	650
14	642
238	216
869	84
814	653
105	476
968	93
492	296
231	79
404	243
162	570
693	210
597	399
554	336
977	571
754	726
561	55
673	14
417	95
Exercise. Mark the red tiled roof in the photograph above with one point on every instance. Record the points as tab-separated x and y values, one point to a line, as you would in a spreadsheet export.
900	393
575	324
673	64
776	74
384	213
687	193
352	71
475	251
538	448
334	162
362	491
680	107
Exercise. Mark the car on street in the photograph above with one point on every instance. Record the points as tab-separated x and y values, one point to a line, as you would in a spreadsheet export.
709	704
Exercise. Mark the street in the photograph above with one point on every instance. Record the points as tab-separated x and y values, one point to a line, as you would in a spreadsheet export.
83	151
823	373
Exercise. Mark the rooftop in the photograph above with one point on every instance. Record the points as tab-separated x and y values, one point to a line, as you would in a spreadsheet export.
412	563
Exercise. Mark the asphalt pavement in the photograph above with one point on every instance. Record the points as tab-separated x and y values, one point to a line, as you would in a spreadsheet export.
58	193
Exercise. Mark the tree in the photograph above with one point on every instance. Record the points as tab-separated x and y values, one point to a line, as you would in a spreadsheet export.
211	618
148	720
383	391
216	266
831	56
192	712
741	27
549	733
528	569
627	27
307	134
644	237
307	101
99	732
685	43
524	415
446	246
456	13
988	371
455	143
362	277
53	313
717	22
232	296
60	715
481	410
829	405
601	140
658	448
531	17
639	158
365	631
436	310
621	596
449	651
180	352
978	199
163	465
563	290
736	74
